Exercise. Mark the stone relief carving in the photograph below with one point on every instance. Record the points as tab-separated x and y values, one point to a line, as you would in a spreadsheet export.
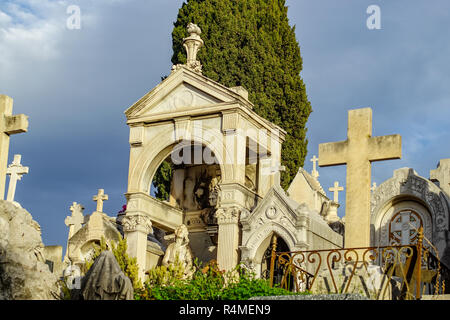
271	212
227	215
132	223
406	182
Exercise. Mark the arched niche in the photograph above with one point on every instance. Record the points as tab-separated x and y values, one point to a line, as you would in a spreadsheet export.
407	189
148	158
389	219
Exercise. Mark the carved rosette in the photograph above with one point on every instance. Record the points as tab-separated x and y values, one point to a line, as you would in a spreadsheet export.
140	223
227	215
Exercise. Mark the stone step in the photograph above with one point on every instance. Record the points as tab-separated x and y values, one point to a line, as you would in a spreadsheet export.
437	297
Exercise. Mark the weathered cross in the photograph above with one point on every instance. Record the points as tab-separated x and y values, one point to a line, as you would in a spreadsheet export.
404	226
99	198
76	220
15	171
335	191
357	152
9	125
314	171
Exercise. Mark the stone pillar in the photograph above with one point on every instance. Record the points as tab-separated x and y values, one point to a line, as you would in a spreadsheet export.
228	242
136	227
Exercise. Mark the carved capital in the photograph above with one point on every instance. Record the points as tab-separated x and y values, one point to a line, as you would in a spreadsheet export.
227	215
140	223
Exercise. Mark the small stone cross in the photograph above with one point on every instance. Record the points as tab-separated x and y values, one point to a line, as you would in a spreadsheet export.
76	220
9	124
335	191
15	171
99	198
314	171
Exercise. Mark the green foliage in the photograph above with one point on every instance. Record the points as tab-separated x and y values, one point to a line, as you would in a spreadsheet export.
128	265
206	283
251	44
166	275
66	293
162	180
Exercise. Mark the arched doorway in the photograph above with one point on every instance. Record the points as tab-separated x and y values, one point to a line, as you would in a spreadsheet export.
281	246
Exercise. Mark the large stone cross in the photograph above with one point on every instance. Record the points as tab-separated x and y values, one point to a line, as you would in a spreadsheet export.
15	171
357	152
9	125
335	191
99	198
314	171
76	220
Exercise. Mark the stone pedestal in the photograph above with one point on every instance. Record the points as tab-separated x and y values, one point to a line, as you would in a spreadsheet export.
332	215
136	227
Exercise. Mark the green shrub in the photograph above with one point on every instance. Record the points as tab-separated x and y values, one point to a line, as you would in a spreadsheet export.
128	265
206	283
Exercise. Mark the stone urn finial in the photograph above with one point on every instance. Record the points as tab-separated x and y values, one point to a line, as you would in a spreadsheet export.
192	44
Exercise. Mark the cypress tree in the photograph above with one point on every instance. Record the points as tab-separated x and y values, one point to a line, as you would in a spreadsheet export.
251	44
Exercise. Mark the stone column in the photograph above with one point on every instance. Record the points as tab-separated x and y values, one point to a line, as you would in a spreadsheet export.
228	242
136	227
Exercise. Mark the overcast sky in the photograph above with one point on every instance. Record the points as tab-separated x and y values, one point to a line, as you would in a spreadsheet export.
75	84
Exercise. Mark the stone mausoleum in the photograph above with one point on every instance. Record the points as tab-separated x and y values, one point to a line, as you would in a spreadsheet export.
225	185
226	179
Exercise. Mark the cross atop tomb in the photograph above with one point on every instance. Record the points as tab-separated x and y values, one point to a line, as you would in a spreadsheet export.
99	198
15	171
314	171
335	191
358	152
9	125
76	220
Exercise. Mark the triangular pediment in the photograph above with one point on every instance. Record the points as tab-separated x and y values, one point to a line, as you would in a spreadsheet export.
182	91
274	203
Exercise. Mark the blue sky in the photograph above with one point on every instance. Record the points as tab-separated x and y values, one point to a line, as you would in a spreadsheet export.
75	84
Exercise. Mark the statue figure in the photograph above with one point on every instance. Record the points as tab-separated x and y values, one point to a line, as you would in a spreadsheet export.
106	281
179	250
208	214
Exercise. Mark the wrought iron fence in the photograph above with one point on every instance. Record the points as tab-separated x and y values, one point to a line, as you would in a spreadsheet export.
387	272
